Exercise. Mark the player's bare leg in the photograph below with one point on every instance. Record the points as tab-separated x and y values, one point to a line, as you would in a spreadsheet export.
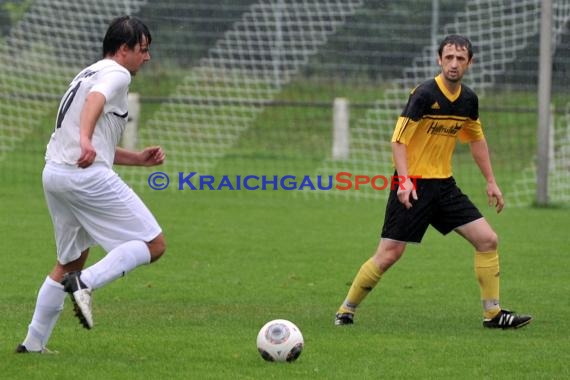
59	270
157	247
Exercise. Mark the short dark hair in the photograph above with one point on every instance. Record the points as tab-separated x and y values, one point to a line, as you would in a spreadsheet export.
127	30
457	40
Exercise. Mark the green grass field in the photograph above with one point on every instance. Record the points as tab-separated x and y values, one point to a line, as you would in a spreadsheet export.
236	260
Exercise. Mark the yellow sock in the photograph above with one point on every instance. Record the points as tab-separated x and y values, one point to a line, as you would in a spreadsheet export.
487	272
365	280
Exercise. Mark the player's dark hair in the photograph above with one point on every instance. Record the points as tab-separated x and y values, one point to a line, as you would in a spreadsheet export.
457	40
127	30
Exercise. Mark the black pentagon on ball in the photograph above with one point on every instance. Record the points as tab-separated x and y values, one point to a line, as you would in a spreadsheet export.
295	352
265	355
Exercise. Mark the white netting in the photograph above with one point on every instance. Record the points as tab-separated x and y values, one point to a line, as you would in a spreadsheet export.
500	30
524	187
218	100
42	53
558	171
243	70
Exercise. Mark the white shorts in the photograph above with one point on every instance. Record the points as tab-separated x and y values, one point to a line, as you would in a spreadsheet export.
93	206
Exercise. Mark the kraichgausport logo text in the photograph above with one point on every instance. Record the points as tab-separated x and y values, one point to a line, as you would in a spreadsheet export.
341	181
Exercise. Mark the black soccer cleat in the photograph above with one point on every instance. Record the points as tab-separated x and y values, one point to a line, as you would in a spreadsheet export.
21	349
507	320
81	296
342	319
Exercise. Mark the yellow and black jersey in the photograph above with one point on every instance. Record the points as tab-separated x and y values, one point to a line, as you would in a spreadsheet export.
430	124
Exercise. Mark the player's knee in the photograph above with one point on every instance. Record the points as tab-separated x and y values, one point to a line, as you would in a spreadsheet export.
157	247
388	253
490	242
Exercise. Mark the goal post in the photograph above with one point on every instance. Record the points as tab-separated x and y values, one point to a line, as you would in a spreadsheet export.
544	104
341	129
130	135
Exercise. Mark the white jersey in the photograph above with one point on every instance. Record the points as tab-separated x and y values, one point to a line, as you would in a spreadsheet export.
110	79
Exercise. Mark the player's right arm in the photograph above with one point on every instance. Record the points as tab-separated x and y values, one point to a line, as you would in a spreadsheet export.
403	133
405	190
90	113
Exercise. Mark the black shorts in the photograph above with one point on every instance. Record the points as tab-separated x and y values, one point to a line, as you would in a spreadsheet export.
440	203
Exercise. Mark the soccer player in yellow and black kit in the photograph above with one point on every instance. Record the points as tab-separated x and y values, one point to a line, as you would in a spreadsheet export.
438	112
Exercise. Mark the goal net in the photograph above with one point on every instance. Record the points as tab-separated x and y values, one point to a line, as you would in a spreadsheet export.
220	98
524	188
500	31
40	55
223	100
247	86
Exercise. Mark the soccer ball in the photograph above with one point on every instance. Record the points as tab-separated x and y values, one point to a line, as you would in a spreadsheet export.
280	341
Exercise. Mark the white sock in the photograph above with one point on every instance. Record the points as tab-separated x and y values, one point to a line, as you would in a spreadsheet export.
116	263
49	305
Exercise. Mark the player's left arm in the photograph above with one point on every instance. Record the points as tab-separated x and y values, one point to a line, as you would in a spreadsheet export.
149	156
480	152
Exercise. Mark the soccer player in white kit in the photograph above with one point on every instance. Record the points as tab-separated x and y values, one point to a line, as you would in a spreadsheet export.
89	204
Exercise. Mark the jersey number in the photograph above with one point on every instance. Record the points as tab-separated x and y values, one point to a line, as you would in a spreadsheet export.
66	104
